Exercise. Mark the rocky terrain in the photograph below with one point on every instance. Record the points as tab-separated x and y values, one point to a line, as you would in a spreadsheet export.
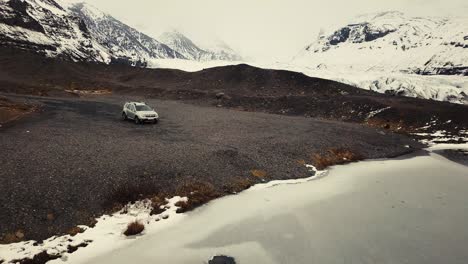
124	43
78	160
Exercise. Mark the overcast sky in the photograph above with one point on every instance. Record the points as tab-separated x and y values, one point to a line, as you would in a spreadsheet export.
261	29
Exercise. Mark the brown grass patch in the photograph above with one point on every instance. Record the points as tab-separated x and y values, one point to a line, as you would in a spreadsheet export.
391	125
130	192
10	111
334	156
301	162
237	185
198	193
158	205
9	238
75	230
258	173
134	228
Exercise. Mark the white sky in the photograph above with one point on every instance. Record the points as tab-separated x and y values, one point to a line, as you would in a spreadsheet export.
261	29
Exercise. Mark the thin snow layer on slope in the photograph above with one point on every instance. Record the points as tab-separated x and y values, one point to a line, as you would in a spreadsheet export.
393	42
188	65
177	41
217	50
452	89
124	43
43	26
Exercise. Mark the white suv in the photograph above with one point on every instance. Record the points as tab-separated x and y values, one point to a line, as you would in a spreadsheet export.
139	112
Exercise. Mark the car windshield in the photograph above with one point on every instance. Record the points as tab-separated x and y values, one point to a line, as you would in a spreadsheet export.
143	108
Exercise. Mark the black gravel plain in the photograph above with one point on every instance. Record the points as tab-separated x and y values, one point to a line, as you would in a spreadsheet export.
71	158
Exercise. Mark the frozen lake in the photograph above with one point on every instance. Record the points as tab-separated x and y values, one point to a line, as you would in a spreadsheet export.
410	210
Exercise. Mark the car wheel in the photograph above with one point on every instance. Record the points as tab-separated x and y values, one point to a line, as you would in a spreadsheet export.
137	120
124	117
155	121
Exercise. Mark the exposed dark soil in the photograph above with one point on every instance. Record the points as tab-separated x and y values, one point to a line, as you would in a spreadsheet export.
76	159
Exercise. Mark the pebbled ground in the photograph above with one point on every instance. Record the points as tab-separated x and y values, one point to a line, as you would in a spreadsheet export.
64	165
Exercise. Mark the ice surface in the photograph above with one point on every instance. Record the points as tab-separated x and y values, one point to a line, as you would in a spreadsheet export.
384	211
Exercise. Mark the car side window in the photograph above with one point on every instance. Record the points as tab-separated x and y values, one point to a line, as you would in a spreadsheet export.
131	107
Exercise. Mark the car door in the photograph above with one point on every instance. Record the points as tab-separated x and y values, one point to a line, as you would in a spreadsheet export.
131	111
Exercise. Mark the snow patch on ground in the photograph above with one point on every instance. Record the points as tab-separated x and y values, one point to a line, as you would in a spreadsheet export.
107	235
316	174
441	136
376	112
188	65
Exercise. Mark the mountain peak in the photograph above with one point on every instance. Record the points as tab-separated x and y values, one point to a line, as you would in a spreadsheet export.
90	10
218	50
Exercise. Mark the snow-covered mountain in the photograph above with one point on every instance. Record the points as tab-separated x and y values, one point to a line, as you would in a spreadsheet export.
81	32
219	50
395	54
124	43
179	42
45	27
213	51
392	41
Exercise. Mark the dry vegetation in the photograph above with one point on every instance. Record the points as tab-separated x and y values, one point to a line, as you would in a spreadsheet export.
131	192
394	126
198	193
15	237
75	230
258	173
158	205
237	185
134	228
334	156
10	111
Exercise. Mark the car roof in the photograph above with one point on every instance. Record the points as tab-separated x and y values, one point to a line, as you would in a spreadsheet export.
137	103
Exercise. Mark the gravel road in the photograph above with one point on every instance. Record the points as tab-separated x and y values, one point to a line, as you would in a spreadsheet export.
63	165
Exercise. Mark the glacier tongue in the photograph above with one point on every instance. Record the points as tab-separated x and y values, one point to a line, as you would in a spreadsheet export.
453	89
